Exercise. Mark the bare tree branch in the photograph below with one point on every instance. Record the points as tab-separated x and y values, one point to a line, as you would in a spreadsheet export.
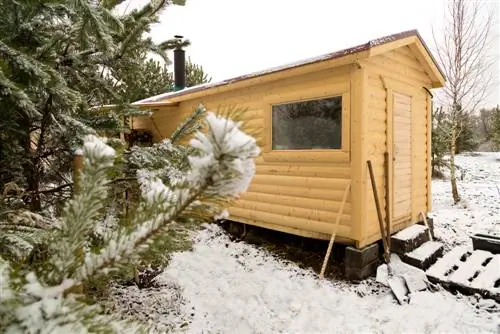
463	53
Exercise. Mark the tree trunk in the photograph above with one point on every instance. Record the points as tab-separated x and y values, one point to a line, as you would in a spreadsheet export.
30	168
453	178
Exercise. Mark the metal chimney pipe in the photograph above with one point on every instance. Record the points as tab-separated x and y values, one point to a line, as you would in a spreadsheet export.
179	66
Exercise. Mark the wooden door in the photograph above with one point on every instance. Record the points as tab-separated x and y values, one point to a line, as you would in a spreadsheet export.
402	153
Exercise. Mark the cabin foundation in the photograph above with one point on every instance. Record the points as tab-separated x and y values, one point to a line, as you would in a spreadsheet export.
361	263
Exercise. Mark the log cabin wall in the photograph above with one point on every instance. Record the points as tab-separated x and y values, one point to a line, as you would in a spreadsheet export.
399	123
295	191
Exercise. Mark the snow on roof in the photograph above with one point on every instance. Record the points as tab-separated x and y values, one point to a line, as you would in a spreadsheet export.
317	59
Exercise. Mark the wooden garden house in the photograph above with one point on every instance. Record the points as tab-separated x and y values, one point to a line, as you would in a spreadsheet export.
320	120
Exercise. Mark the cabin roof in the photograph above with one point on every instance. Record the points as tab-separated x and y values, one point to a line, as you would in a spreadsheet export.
437	74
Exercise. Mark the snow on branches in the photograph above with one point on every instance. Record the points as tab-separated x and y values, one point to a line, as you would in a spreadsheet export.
227	157
222	166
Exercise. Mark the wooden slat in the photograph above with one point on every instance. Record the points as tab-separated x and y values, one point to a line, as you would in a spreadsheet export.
309	170
300	202
385	63
292	211
328	194
403	155
302	182
293	222
408	60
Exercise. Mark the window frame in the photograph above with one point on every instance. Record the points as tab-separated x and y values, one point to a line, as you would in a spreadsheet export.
341	154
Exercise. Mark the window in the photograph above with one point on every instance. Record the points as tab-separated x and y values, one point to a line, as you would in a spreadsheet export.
306	125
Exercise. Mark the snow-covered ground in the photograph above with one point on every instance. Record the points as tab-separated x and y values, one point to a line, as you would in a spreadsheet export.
234	287
479	210
237	288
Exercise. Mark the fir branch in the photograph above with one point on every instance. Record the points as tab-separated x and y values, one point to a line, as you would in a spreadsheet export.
151	8
16	96
23	63
128	248
80	214
21	232
224	168
189	125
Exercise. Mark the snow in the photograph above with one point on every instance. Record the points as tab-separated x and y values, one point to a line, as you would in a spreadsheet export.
466	270
425	251
95	148
410	233
488	277
442	265
158	305
237	288
155	191
479	211
476	269
227	156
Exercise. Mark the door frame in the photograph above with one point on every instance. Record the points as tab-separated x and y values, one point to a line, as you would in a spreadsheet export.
391	86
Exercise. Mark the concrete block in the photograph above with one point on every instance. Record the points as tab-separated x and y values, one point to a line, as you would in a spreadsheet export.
409	239
359	258
358	274
424	256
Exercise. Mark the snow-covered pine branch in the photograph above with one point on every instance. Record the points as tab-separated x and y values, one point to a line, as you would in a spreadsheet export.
224	167
20	231
80	214
32	303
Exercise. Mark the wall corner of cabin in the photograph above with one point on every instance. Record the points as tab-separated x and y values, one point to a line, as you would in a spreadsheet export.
359	108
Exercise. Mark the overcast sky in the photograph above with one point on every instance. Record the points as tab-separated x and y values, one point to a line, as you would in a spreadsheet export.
234	37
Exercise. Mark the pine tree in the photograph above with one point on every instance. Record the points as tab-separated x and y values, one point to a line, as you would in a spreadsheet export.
46	298
151	77
440	140
58	59
195	74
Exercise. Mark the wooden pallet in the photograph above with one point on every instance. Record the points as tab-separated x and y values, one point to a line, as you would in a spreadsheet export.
476	271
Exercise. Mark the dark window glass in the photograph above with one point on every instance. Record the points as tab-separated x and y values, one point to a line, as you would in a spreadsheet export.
315	124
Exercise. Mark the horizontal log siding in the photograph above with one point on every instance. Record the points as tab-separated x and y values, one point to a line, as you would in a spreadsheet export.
298	192
402	66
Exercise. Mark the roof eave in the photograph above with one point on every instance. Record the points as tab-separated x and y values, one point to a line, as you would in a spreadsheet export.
243	82
164	104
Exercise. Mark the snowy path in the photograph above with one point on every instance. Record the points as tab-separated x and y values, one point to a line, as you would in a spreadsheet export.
236	288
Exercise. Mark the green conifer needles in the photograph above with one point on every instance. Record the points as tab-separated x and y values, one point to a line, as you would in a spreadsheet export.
222	167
